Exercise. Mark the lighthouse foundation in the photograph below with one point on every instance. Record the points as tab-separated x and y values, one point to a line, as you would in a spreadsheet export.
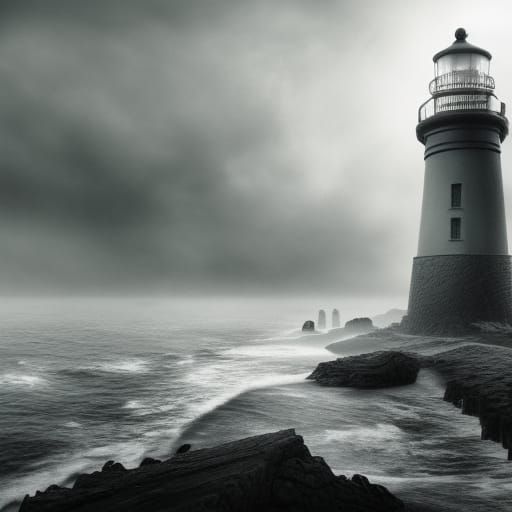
449	293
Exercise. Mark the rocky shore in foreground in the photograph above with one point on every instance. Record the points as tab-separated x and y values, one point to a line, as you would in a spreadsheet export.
272	472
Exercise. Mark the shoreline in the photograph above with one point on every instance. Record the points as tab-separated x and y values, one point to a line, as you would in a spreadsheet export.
357	344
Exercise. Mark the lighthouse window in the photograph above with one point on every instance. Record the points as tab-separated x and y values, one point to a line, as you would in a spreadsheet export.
456	195
455	231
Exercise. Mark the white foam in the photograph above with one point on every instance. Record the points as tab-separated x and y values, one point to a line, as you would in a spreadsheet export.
16	379
187	360
57	471
127	366
133	404
277	350
381	432
72	424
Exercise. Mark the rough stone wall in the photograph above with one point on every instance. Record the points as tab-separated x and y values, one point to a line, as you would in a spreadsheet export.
450	292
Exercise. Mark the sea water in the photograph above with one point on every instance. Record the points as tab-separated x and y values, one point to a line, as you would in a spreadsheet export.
83	381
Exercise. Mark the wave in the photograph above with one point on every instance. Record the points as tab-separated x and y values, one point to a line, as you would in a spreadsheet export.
72	424
201	410
379	432
123	366
277	351
65	469
21	380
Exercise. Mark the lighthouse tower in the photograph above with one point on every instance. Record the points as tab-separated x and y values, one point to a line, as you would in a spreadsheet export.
462	273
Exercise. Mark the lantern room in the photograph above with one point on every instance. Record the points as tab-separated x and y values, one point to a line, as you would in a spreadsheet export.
462	57
461	81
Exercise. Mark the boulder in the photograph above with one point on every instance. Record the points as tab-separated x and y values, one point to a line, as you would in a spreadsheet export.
270	472
373	370
361	325
308	326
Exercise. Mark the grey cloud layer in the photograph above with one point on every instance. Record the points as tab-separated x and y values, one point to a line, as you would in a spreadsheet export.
208	145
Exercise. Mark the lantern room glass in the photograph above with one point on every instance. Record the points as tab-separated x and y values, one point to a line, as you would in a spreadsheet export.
469	62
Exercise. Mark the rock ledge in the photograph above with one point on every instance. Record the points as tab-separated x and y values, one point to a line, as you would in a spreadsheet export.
372	370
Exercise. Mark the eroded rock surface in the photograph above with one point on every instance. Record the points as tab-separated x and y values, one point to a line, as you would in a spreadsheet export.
372	370
271	472
479	381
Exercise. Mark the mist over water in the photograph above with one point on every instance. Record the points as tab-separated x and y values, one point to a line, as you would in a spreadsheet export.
88	380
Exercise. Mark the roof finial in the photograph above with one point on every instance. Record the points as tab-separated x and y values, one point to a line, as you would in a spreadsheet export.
461	34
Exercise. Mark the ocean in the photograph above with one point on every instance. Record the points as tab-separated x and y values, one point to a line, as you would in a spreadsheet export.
85	380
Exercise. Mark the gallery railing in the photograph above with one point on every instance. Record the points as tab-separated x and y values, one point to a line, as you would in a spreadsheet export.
460	102
465	79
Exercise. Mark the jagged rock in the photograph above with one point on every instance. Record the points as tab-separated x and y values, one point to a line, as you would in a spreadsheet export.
322	322
309	325
271	472
184	448
479	381
335	319
148	461
361	325
373	370
113	466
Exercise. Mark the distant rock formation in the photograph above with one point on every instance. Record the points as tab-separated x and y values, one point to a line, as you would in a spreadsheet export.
273	472
335	319
322	322
392	316
374	370
308	326
359	325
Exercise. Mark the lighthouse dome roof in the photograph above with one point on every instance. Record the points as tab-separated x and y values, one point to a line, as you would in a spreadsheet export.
460	45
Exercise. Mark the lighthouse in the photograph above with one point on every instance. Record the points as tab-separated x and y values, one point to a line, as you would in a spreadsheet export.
462	272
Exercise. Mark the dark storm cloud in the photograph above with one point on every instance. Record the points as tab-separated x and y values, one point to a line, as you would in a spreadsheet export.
207	145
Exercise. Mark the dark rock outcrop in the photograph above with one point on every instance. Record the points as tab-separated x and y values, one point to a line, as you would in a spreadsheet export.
322	321
479	381
373	370
335	319
184	448
361	325
271	472
309	325
148	461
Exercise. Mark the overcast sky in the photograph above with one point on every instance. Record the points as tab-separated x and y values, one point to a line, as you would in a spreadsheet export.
253	146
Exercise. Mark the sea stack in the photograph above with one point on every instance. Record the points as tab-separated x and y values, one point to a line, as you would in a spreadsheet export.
335	318
322	322
462	272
